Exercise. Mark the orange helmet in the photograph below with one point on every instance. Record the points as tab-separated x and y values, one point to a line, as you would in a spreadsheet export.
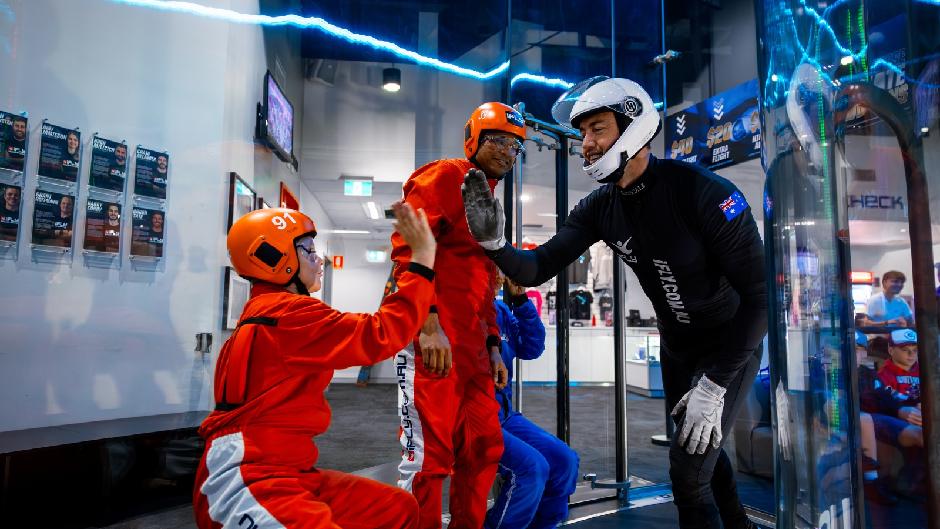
261	244
491	116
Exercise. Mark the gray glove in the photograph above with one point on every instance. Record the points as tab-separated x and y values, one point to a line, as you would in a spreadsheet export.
484	212
703	405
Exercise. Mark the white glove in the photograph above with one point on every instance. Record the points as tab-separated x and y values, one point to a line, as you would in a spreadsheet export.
484	212
703	405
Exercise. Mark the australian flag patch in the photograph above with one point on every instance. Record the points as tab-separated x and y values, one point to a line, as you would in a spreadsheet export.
733	205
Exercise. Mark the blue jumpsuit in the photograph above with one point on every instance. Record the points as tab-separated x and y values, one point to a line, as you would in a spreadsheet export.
539	471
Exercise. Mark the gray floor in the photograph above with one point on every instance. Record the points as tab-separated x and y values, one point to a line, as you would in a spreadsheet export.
365	427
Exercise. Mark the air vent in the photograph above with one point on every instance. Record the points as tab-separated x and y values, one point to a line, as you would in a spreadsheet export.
533	226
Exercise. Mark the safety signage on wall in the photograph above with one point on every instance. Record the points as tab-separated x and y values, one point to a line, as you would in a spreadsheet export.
718	132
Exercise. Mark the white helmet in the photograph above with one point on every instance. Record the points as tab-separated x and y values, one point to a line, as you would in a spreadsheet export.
634	108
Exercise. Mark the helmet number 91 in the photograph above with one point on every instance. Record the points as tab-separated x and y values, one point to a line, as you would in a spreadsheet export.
280	223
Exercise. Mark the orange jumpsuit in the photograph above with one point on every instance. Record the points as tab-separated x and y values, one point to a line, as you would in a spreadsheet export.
258	467
450	424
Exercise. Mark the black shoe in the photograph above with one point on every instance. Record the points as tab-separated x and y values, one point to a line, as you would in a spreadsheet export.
877	492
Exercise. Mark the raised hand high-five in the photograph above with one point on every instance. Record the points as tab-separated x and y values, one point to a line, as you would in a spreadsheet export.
484	212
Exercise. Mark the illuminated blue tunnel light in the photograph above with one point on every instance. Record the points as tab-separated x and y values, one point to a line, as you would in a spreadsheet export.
317	23
821	22
320	24
558	83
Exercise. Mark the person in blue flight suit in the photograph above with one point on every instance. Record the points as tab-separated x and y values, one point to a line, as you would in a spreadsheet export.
539	471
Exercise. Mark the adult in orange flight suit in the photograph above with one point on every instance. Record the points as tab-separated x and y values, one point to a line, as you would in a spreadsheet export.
449	417
258	468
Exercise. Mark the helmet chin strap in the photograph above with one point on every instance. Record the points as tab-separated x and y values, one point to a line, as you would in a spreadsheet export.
618	173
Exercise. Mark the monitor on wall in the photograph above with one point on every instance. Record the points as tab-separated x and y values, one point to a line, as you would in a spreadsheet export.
277	120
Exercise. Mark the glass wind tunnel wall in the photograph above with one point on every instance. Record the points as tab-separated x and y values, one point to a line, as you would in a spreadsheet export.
830	71
563	42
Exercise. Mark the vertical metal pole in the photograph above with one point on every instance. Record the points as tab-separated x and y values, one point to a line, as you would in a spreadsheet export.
620	376
562	403
515	183
505	90
613	39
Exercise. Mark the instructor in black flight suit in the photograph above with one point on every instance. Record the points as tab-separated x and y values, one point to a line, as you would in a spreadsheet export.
690	238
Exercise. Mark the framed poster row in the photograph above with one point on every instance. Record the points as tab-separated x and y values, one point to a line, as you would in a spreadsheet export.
54	219
54	212
60	158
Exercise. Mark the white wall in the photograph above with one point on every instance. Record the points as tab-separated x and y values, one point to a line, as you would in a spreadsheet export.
88	344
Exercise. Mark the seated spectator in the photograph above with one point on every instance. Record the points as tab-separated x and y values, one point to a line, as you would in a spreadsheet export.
876	489
887	308
901	375
900	378
539	471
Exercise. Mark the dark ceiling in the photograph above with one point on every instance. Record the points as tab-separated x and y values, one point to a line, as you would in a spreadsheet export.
463	26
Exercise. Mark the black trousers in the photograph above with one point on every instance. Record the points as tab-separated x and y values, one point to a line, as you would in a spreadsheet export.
703	485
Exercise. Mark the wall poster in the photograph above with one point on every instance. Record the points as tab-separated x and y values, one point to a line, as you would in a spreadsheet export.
242	199
151	173
10	212
102	226
53	216
288	198
108	164
60	152
237	292
13	141
147	236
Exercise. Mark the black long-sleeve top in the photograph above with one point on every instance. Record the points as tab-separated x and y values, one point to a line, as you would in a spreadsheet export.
689	236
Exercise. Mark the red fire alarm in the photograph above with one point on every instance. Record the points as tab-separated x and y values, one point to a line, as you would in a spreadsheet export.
337	262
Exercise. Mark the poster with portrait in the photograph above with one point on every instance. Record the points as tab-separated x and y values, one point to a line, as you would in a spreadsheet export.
151	173
147	233
60	152
108	164
13	139
53	217
102	226
10	212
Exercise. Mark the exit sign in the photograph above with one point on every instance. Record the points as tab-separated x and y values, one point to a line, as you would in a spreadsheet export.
357	188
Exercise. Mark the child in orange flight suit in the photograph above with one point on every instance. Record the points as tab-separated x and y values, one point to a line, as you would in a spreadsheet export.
258	468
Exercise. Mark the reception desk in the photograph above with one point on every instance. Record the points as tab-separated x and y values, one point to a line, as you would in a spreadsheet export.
591	359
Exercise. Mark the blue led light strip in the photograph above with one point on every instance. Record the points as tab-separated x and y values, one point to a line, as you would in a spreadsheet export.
560	83
314	23
320	24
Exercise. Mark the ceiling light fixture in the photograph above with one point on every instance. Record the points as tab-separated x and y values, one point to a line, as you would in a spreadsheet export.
372	211
524	198
348	232
391	79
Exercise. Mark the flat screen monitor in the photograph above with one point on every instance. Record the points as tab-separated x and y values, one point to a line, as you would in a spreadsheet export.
278	119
